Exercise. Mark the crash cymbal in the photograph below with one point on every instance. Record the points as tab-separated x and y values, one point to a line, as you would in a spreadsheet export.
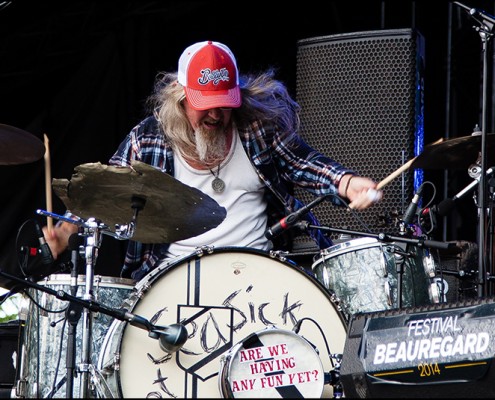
18	146
457	153
172	210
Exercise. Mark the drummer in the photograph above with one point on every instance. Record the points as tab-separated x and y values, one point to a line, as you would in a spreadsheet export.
235	138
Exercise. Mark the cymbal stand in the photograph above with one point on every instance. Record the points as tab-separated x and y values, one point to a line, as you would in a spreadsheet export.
73	315
93	242
485	29
92	230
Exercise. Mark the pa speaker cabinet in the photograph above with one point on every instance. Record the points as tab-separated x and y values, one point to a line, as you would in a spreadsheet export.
361	96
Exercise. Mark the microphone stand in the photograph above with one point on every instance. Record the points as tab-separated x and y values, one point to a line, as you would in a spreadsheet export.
73	315
383	237
120	314
486	24
171	338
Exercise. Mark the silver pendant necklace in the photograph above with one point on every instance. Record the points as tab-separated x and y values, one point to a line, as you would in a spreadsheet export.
217	184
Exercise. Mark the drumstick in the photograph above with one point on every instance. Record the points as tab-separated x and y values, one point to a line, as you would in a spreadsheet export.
400	170
394	174
48	187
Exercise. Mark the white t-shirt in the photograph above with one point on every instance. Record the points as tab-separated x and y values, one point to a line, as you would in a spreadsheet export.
246	219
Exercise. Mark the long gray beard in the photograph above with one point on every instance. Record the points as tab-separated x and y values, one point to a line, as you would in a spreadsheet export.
210	145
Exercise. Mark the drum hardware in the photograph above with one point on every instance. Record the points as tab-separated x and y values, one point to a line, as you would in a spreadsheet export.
171	338
386	238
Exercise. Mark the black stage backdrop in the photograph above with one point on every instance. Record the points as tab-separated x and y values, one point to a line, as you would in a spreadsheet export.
79	72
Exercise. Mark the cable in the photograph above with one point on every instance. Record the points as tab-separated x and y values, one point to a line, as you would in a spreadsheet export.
354	213
297	327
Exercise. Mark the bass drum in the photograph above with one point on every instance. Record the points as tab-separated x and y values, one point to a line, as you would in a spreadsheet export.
223	296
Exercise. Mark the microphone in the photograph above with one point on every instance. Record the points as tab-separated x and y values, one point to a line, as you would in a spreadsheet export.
447	205
474	12
413	206
291	219
46	253
74	242
172	337
442	209
483	14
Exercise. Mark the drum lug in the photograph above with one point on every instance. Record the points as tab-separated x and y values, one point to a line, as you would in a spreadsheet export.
434	292
20	388
111	366
388	292
429	265
279	255
204	249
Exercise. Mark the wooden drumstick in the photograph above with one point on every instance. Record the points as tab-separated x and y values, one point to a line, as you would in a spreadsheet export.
48	183
400	170
394	174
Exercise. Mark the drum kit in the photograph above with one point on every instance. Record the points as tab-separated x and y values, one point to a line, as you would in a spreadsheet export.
221	322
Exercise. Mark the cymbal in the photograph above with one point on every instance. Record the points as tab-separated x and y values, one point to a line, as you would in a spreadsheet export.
18	146
457	153
172	211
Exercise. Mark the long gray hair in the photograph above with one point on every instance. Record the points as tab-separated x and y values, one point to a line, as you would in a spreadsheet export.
264	98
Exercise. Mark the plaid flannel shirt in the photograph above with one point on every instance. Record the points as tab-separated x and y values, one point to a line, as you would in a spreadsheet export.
279	165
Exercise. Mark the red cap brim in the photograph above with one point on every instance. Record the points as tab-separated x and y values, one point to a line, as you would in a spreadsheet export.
207	99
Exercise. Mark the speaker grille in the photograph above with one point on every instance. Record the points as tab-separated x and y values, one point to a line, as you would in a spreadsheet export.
361	98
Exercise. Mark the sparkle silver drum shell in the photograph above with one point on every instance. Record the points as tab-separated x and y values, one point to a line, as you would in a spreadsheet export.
363	275
44	347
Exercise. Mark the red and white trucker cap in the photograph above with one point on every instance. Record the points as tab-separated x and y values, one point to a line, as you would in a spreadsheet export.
208	72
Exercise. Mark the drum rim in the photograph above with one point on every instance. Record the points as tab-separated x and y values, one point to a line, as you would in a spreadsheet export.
164	265
345	247
98	279
145	283
229	356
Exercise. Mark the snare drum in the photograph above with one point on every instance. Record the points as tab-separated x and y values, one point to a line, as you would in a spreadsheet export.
362	273
222	297
44	349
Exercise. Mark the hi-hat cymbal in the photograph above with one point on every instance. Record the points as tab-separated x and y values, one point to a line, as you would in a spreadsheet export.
18	146
457	153
172	210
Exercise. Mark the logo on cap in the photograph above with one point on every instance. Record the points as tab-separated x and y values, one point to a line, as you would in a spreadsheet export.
208	72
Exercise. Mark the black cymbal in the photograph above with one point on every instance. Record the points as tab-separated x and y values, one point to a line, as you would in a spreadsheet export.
18	146
172	210
457	153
